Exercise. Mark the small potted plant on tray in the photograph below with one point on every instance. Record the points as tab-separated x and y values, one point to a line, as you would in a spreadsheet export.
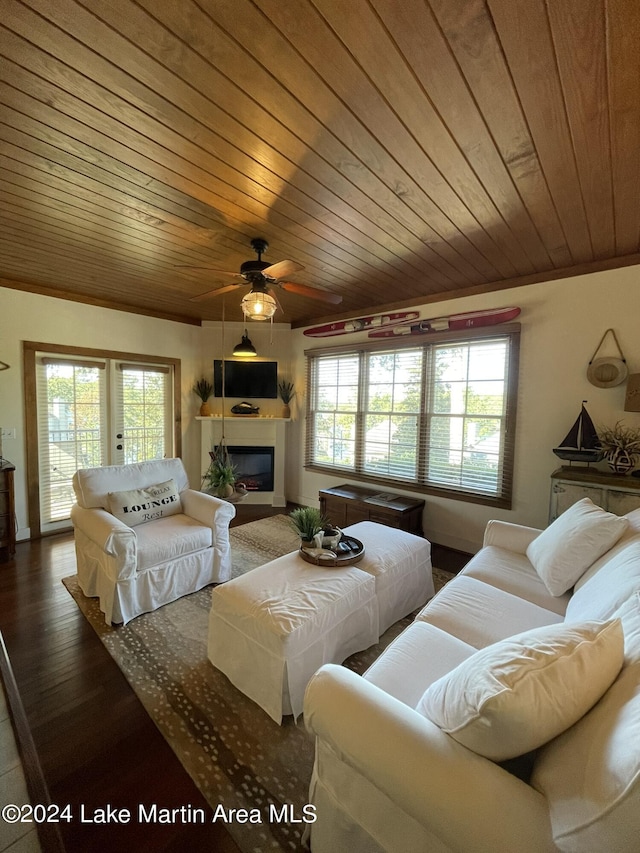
307	521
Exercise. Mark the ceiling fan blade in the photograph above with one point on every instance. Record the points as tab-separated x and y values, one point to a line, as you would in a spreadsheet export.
281	269
311	292
218	291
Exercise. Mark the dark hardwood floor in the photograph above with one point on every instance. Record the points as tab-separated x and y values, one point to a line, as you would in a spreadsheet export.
96	745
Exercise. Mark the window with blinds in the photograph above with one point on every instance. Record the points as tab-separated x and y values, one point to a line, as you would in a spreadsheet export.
438	417
72	428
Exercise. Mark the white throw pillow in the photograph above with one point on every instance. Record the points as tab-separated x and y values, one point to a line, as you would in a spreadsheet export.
515	695
590	774
575	540
138	506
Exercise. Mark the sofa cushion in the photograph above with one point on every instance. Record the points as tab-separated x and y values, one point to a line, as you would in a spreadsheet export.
167	539
479	614
516	695
513	573
575	540
590	774
138	506
415	659
612	580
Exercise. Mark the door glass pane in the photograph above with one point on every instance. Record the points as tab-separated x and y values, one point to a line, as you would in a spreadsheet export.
72	431
144	414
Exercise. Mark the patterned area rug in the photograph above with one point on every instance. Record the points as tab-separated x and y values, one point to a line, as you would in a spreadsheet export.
236	755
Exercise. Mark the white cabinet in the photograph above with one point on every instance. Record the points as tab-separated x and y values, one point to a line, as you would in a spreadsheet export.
614	492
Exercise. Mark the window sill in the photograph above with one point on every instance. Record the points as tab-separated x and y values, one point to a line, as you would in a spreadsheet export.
420	488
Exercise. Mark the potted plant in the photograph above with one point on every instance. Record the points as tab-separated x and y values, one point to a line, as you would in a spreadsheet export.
287	393
621	445
203	389
307	521
220	478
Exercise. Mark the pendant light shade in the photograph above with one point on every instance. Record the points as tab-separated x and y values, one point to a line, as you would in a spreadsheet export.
259	305
245	348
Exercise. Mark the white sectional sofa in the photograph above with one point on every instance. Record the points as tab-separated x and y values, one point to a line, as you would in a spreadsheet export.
416	754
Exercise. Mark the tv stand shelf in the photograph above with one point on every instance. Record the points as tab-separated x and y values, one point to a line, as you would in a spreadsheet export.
344	505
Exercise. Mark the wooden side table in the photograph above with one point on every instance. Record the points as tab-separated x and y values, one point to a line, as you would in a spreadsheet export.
344	505
7	511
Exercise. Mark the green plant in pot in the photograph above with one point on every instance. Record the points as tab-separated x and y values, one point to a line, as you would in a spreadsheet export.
621	445
307	521
287	393
220	478
203	389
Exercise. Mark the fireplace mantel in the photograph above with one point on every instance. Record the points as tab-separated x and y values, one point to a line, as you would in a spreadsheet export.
248	432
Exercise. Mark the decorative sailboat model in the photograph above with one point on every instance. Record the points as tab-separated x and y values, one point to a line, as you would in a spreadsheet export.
581	443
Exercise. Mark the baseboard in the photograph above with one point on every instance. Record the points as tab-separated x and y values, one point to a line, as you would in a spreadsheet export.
448	559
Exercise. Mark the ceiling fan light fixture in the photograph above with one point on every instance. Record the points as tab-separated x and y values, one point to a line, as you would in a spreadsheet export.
245	349
259	305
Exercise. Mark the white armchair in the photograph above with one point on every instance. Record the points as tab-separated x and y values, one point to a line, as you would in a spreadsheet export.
136	569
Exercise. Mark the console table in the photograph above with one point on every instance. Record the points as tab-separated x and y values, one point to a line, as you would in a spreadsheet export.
614	492
7	511
344	505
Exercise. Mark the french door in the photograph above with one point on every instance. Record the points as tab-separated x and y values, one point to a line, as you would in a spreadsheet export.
94	410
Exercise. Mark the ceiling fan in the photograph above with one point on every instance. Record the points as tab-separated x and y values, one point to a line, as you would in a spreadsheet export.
261	303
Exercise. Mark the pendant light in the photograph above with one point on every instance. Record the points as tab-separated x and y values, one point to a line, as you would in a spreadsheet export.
245	349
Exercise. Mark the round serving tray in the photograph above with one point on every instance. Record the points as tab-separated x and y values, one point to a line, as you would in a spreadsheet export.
333	561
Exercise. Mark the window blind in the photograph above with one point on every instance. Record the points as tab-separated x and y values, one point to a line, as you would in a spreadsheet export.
71	429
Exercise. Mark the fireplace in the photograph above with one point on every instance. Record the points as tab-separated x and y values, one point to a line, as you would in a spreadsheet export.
254	467
267	434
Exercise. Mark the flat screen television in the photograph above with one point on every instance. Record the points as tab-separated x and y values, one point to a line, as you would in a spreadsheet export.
246	379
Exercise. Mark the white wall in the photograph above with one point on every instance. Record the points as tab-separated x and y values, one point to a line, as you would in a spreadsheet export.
562	323
31	317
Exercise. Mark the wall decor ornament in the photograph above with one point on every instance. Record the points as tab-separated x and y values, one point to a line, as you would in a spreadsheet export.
610	371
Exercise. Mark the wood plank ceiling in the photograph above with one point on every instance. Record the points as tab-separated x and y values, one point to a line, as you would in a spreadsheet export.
400	150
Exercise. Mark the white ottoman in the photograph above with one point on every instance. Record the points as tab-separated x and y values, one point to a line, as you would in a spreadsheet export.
401	565
272	628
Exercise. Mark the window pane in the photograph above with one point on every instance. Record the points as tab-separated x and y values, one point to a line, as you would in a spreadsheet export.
466	427
144	406
335	439
390	439
333	415
71	432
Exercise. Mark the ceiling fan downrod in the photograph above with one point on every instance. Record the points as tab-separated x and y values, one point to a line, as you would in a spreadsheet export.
249	268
